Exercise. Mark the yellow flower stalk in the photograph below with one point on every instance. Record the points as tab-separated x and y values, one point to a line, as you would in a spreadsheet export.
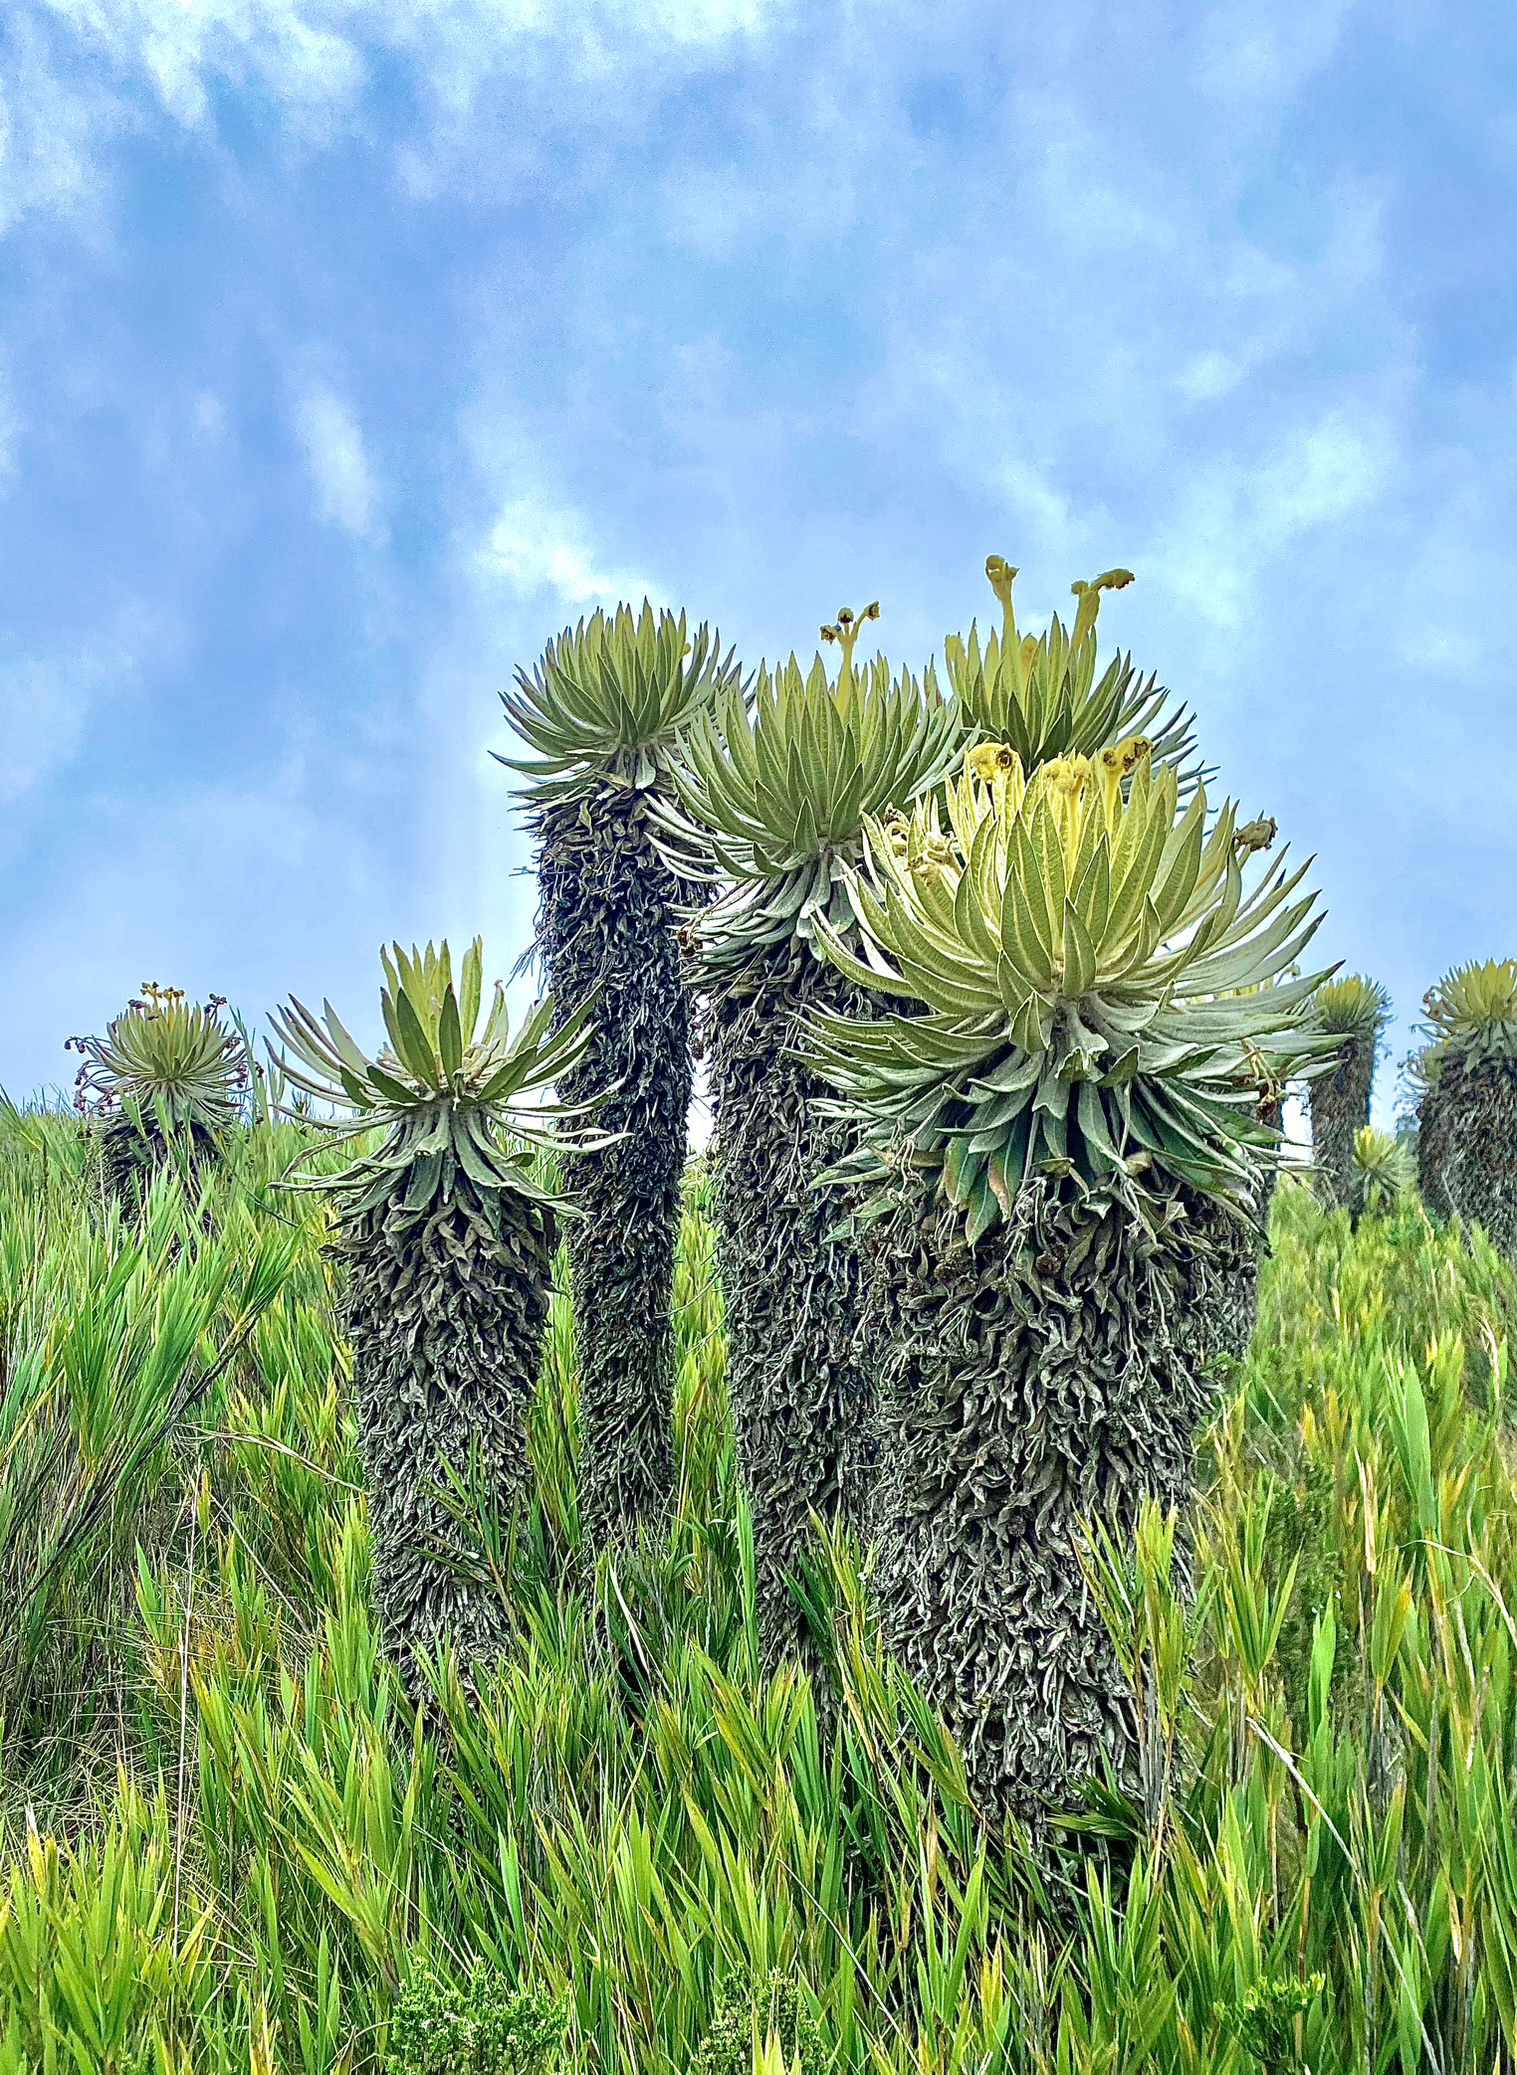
1040	694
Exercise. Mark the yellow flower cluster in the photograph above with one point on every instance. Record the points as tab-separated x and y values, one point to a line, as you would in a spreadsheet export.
1084	797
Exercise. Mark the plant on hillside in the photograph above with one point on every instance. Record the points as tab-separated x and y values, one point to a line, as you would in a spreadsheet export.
773	793
448	1241
601	712
1068	1147
1040	695
1467	1112
1353	1012
163	1085
118	1337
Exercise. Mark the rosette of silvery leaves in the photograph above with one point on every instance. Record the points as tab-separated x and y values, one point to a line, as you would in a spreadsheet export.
776	782
461	1103
1076	942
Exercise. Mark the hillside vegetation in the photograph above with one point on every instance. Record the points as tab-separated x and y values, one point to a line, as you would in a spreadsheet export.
228	1840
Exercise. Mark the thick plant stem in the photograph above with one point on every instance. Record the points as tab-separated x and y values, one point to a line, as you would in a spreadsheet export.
1055	1373
1432	1127
1467	1145
131	1155
1340	1107
1238	1310
607	922
445	1312
797	1372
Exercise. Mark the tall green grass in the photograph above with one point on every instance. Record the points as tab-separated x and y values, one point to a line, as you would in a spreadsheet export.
227	1841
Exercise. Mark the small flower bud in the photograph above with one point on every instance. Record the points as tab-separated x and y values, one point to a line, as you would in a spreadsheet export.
1255	835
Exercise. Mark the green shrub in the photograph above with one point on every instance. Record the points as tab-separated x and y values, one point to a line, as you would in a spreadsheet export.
1264	2019
483	2027
750	2013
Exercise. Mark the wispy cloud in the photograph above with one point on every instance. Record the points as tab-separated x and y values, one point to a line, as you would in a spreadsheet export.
50	127
10	428
1245	56
317	55
292	47
536	546
347	493
45	702
1239	515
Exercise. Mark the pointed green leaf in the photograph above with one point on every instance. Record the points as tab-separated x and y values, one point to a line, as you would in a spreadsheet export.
412	1042
449	1034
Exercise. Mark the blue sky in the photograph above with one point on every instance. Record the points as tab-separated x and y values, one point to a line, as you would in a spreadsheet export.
348	348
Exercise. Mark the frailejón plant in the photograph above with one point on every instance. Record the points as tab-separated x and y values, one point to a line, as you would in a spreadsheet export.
1384	1171
1354	1012
448	1243
601	713
1081	948
1070	1148
164	1083
773	794
1467	1113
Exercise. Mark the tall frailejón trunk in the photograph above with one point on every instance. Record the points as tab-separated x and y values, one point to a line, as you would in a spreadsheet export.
445	1311
1467	1144
132	1154
1242	1251
798	1375
1056	1373
606	922
1341	1106
1432	1151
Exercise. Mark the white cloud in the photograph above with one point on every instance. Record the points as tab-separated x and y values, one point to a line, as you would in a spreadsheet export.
1030	495
44	703
10	429
1238	517
312	52
1210	375
346	492
48	131
535	546
1242	56
1323	473
179	45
